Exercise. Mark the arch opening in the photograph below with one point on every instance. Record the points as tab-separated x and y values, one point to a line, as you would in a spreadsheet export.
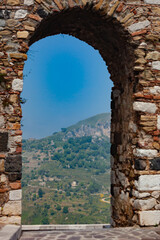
70	169
116	48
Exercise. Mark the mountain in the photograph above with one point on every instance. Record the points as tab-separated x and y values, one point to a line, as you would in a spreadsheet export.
66	176
96	126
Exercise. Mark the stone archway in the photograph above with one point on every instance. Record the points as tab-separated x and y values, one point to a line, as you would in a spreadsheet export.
126	35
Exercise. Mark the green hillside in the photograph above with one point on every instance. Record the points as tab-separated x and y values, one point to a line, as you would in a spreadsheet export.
67	180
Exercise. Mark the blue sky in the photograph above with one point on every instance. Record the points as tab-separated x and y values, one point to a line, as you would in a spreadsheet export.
65	80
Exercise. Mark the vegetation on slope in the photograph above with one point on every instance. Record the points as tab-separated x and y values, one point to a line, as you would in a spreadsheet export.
66	180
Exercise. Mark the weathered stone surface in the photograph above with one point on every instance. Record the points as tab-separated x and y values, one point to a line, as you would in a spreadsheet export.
152	2
17	85
12	208
145	107
5	32
155	90
20	14
156	65
140	195
14	176
134	63
10	220
2	23
29	28
28	2
15	195
149	218
2	121
18	56
140	164
150	153
15	185
3	141
22	34
12	23
155	194
13	2
149	183
13	98
3	178
13	163
123	179
158	122
144	204
143	195
138	26
157	207
153	55
155	164
2	165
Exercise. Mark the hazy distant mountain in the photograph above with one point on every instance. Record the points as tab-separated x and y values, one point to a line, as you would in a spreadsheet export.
98	125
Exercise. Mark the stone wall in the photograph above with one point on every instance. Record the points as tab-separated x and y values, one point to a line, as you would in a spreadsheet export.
127	35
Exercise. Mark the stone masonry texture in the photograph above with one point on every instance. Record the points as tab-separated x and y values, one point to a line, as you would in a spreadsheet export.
127	35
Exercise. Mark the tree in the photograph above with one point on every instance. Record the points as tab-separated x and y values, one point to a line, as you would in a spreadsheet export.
52	212
58	208
40	193
94	187
65	209
45	220
63	129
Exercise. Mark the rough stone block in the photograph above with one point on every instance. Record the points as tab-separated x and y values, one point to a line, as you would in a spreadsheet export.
13	163
149	218
15	195
28	2
149	183
123	179
14	176
17	85
155	164
3	142
1	121
15	185
157	2
156	65
2	23
13	2
12	208
20	14
138	26
22	34
157	207
144	204
145	107
155	194
10	220
2	165
3	178
18	56
153	55
155	90
140	164
158	122
149	153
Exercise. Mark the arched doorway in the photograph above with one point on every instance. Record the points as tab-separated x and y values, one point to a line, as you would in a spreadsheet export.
112	28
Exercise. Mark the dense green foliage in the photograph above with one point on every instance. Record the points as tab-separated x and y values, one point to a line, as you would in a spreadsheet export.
66	180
